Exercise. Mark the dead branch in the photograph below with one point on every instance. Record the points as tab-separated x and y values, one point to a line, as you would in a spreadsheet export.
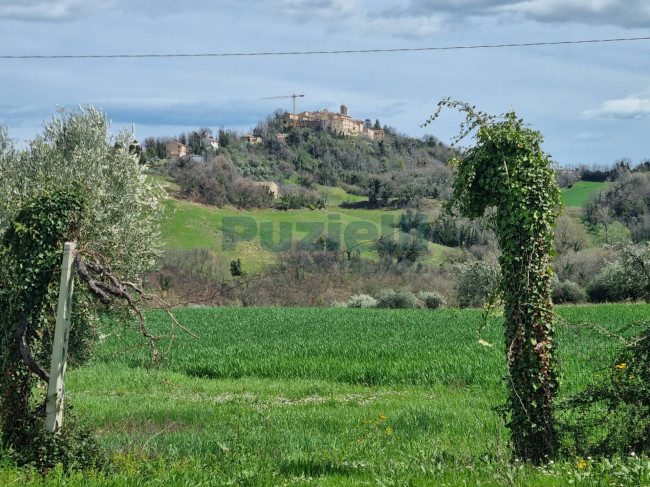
106	291
104	284
21	342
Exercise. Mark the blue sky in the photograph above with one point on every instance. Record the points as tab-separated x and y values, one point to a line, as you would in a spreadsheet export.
591	101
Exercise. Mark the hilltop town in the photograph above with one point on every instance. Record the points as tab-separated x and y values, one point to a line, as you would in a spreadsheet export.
322	120
340	122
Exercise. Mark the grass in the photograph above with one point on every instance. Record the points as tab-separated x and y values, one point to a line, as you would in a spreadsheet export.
307	396
577	195
188	225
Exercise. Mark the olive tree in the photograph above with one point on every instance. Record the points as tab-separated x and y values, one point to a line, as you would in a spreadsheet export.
507	171
77	181
78	146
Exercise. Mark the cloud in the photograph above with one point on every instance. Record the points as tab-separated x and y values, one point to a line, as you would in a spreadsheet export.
634	106
588	136
363	17
393	109
172	111
623	13
423	18
70	10
44	10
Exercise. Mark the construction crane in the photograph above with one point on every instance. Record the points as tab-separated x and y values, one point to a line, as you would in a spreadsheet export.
294	96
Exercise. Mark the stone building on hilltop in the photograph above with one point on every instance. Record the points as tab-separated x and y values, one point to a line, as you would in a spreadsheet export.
336	122
175	150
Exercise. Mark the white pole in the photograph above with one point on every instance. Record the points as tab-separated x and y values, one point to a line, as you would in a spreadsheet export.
56	388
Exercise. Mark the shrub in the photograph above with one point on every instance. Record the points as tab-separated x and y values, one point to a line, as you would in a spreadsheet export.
612	415
432	300
407	250
198	261
615	283
75	448
474	282
400	299
568	292
362	301
579	267
294	198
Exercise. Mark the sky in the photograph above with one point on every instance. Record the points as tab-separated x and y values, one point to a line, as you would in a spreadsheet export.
590	101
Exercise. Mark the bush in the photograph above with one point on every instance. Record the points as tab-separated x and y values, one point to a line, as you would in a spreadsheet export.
568	292
294	198
73	448
198	261
406	250
579	267
615	283
432	300
612	415
400	299
362	301
474	282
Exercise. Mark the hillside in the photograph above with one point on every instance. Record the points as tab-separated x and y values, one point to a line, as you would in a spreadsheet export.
578	194
190	225
396	170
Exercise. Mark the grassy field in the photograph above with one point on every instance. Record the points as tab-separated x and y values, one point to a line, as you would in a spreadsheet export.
580	192
308	396
188	225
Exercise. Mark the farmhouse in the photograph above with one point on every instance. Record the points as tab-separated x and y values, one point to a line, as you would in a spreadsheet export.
210	142
175	150
252	139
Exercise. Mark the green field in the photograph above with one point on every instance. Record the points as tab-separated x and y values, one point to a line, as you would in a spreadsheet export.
309	396
577	195
189	225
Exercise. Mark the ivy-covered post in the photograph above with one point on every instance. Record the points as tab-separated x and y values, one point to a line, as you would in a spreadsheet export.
508	177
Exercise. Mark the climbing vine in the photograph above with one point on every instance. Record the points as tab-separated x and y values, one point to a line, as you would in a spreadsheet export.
76	182
506	176
30	254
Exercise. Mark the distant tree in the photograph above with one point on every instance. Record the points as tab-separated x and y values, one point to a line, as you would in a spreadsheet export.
605	217
294	137
235	268
570	234
225	140
643	166
195	143
377	124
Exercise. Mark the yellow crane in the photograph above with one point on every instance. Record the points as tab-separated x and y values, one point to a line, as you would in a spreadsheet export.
294	96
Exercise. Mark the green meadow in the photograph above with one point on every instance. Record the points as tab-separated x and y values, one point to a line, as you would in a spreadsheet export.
189	225
579	193
317	396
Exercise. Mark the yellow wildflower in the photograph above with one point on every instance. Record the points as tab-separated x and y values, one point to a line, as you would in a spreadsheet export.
621	366
382	416
389	430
